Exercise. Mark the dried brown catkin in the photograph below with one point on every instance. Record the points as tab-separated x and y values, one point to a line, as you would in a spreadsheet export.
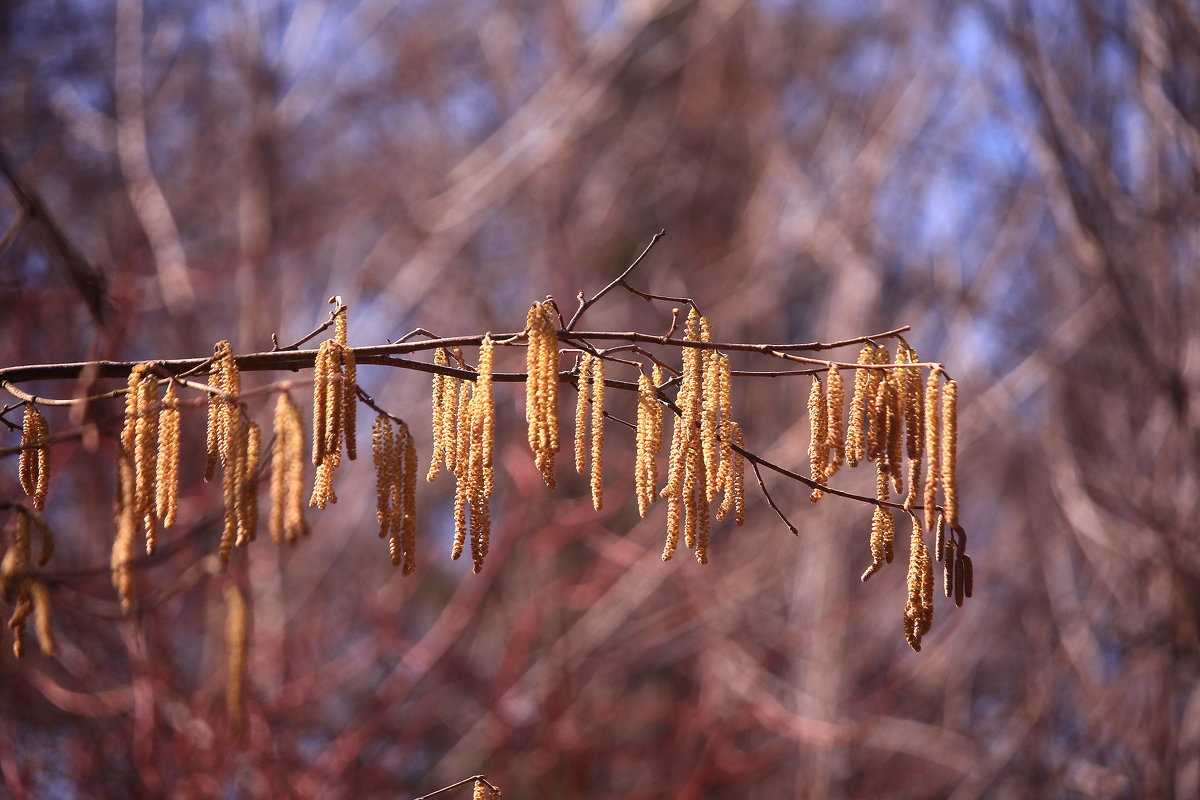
949	451
582	401
597	458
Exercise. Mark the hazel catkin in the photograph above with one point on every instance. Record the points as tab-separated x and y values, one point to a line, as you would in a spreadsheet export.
34	459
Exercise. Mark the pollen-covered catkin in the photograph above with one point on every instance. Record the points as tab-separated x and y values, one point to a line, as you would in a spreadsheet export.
855	434
582	400
949	451
918	612
932	447
482	448
818	447
247	511
287	473
597	458
541	388
34	459
649	442
167	496
835	398
895	428
439	414
383	454
350	403
146	455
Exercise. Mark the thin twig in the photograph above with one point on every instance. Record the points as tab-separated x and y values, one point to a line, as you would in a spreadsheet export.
771	500
457	784
584	305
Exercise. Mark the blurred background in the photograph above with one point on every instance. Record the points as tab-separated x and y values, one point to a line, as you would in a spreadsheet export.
1018	182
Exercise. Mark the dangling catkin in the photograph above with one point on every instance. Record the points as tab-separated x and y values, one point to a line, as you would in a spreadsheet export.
483	435
247	510
34	459
895	428
932	447
350	402
649	442
582	400
835	431
237	645
146	456
949	451
383	447
439	413
287	473
408	529
541	388
918	612
855	441
818	447
41	617
127	520
167	497
597	459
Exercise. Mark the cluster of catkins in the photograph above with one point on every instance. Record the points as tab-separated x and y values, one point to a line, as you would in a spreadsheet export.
893	416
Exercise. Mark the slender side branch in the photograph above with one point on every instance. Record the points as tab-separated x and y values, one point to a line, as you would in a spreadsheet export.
584	305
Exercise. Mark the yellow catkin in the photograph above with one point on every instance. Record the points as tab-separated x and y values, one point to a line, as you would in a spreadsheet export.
855	441
932	447
322	370
248	499
949	561
232	485
949	451
482	453
582	400
818	426
382	453
439	413
541	388
34	459
692	480
237	645
167	497
287	470
481	791
41	617
703	519
460	519
121	562
735	494
597	458
216	405
877	416
684	432
895	427
335	407
719	477
918	612
649	442
710	409
451	390
835	398
145	457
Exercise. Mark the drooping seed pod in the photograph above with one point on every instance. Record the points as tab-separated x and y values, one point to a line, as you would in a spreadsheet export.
597	458
167	497
818	426
949	451
237	645
582	400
